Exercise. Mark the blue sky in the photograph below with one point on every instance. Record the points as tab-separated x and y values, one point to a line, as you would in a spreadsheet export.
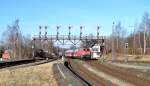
88	13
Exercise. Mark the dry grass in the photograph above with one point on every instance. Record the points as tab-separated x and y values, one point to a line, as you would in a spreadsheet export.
41	75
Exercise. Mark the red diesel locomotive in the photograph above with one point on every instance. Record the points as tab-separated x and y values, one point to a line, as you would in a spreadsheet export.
81	53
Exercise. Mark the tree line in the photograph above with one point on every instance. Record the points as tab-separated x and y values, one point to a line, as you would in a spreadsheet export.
135	39
121	36
20	46
15	43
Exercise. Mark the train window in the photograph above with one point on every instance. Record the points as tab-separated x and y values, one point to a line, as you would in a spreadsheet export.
95	49
88	49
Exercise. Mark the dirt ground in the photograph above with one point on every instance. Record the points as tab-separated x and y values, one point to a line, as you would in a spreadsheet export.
145	58
40	75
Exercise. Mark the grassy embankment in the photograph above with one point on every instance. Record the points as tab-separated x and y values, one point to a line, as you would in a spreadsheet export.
41	75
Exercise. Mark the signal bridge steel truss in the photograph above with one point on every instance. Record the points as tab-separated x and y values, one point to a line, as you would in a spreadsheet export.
66	39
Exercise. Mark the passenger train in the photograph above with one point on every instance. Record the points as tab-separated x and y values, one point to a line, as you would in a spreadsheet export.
86	53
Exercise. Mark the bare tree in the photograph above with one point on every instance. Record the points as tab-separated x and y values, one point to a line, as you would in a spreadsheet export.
119	35
13	38
144	29
27	47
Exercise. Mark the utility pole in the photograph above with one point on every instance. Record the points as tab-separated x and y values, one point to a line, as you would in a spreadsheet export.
20	43
133	36
134	40
140	42
33	48
14	47
145	38
113	58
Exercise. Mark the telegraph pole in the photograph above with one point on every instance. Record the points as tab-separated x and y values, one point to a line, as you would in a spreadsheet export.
140	42
133	36
33	48
134	43
145	38
113	58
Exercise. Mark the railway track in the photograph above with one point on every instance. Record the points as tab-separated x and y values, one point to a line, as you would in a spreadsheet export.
89	77
86	83
23	63
119	73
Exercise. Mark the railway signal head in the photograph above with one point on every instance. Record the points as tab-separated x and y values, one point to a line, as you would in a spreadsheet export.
126	45
81	27
69	27
102	40
98	27
45	27
40	27
57	27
